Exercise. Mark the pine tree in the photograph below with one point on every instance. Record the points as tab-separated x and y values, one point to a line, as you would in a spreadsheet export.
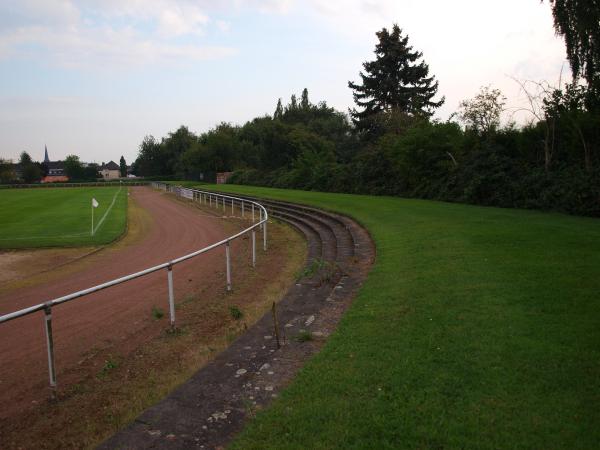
278	114
293	106
123	167
396	82
304	102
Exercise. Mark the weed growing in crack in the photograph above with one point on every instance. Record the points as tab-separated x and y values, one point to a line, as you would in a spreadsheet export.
249	407
109	365
311	269
235	312
325	269
157	313
176	331
304	336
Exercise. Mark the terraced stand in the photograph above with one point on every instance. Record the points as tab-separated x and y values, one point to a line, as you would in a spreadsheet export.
212	406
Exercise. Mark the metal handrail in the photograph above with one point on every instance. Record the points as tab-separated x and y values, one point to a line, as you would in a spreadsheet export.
196	195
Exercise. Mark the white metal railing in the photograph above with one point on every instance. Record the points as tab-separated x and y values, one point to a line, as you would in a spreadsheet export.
204	197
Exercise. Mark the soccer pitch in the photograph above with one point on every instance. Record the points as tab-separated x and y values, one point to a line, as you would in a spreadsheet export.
61	217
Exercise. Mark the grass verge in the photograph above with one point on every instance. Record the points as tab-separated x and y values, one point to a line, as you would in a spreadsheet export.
477	328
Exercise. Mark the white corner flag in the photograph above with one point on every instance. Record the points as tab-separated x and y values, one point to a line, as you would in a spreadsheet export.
94	205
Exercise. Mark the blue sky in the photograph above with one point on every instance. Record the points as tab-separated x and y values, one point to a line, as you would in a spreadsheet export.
93	77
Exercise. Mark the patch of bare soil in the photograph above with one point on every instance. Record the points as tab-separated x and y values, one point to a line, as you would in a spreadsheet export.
120	373
20	264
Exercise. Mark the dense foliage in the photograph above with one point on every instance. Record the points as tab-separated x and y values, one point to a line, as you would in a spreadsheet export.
578	21
552	163
76	171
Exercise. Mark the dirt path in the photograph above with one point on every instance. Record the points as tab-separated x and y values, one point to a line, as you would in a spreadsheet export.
119	314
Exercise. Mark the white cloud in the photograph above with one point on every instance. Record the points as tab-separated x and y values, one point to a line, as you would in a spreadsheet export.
107	33
266	6
467	44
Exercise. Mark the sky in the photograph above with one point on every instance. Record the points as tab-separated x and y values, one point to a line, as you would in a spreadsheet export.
93	77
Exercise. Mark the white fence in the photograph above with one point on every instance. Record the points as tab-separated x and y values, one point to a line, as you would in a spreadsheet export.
204	197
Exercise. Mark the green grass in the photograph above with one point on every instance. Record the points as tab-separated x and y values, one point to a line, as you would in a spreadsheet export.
60	217
477	328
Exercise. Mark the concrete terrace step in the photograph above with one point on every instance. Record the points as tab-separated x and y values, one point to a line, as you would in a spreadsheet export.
210	408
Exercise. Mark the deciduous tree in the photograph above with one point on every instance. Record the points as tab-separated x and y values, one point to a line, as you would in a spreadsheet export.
578	22
482	112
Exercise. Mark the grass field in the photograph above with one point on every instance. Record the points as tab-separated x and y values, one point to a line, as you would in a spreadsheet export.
54	217
477	328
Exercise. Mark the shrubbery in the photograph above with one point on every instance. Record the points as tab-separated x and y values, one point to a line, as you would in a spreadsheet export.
314	147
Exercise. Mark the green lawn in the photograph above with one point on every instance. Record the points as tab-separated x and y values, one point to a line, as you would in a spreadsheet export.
477	328
53	217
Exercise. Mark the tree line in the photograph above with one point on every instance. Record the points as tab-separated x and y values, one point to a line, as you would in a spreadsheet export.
33	172
390	145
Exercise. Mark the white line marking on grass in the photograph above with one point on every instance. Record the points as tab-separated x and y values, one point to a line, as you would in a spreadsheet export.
62	236
108	210
68	236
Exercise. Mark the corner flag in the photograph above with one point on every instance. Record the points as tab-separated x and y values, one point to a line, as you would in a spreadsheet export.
94	205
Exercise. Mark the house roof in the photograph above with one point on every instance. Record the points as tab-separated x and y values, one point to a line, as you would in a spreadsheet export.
111	165
55	165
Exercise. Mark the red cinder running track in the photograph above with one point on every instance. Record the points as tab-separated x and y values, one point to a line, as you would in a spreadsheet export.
117	317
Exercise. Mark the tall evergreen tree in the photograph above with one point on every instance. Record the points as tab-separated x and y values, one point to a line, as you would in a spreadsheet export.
394	82
304	102
278	110
122	167
293	106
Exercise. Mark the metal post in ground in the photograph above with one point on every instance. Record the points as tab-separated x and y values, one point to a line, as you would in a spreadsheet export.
171	295
50	345
242	209
265	236
232	207
252	212
253	248
228	263
223	204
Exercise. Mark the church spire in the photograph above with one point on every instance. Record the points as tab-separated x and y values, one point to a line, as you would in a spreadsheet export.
46	159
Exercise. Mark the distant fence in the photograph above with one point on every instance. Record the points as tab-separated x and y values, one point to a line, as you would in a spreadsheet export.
207	198
96	183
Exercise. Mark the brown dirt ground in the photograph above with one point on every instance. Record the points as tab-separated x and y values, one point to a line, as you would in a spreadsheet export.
114	357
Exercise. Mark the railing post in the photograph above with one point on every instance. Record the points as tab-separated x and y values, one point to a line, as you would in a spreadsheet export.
252	212
50	345
242	209
171	295
228	264
253	248
232	208
265	236
223	204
